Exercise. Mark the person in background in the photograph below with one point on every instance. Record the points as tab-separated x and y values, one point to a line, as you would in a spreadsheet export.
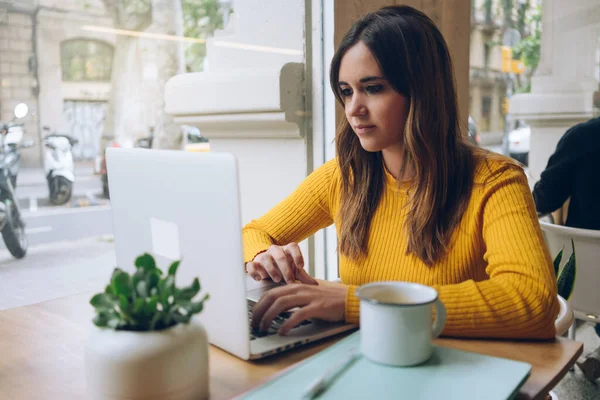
411	200
573	171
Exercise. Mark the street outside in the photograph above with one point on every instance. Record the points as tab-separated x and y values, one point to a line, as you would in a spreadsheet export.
70	247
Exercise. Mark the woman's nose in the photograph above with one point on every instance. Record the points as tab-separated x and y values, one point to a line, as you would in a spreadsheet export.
356	106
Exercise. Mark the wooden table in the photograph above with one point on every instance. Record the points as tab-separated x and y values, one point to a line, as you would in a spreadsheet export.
41	355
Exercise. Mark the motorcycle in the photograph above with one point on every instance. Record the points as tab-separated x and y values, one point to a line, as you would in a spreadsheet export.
58	165
11	222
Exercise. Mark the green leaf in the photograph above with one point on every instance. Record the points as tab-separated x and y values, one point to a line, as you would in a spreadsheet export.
167	319
139	307
182	319
145	261
173	268
568	275
101	320
142	289
197	307
170	285
139	275
155	320
154	278
114	323
108	289
121	283
150	306
189	292
123	303
557	262
102	301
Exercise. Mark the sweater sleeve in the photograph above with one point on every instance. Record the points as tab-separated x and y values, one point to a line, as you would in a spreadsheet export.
300	215
519	300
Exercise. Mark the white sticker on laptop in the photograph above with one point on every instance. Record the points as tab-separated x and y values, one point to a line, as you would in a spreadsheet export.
165	239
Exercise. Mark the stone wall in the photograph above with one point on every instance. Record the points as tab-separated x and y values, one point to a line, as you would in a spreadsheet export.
17	82
54	28
56	21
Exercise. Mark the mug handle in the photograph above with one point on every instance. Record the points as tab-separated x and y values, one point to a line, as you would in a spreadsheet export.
440	318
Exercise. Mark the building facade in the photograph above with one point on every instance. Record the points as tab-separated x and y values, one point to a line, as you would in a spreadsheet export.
57	57
487	82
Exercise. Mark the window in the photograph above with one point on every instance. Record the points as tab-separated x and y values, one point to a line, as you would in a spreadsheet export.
486	108
86	60
486	55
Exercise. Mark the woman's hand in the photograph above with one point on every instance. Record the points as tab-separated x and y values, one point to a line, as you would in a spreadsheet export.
325	301
280	262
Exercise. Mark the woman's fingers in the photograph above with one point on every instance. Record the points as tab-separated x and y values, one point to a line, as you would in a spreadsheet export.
297	317
269	264
305	278
325	302
300	274
280	305
285	263
256	271
280	262
296	254
267	300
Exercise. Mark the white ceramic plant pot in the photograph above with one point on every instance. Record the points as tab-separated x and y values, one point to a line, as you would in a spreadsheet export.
169	365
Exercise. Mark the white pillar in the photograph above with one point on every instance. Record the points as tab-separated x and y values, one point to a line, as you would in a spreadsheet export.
564	84
250	101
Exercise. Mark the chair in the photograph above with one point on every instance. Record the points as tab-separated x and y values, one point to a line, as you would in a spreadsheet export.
565	317
585	299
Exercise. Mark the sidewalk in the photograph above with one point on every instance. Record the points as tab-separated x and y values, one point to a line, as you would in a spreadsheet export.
84	171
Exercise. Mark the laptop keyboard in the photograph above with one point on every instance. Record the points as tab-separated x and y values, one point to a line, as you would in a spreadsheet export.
275	325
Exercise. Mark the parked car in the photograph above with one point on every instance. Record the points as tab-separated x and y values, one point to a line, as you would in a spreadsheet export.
518	143
103	171
473	132
193	141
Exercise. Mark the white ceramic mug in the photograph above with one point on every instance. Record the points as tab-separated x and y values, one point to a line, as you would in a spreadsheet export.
396	326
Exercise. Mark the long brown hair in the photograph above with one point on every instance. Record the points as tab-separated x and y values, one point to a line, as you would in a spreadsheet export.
415	60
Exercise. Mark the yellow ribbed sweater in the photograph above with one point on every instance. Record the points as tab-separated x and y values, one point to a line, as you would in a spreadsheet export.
496	280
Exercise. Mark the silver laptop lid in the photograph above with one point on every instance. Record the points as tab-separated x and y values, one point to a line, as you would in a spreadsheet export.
179	205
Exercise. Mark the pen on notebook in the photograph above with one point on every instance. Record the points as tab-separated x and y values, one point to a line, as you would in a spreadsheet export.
321	384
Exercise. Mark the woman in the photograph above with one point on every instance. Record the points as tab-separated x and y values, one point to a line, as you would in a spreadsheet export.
411	200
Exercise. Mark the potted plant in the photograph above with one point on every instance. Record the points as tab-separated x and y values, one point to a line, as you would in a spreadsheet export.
147	345
565	277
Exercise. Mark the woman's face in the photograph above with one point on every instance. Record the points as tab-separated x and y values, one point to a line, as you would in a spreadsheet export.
376	112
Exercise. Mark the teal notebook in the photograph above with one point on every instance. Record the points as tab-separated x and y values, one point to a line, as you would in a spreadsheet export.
449	374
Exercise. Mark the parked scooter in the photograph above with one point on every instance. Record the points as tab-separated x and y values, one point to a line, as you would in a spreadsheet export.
58	165
11	222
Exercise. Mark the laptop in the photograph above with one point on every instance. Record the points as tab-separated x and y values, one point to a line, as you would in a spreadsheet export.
183	205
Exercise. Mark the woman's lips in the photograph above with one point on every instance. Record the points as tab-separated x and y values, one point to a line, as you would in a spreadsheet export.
363	129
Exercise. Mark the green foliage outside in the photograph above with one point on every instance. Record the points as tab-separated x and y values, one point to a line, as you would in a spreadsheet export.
528	49
86	60
201	18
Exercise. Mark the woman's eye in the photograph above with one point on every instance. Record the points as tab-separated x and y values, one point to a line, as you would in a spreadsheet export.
346	92
374	89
